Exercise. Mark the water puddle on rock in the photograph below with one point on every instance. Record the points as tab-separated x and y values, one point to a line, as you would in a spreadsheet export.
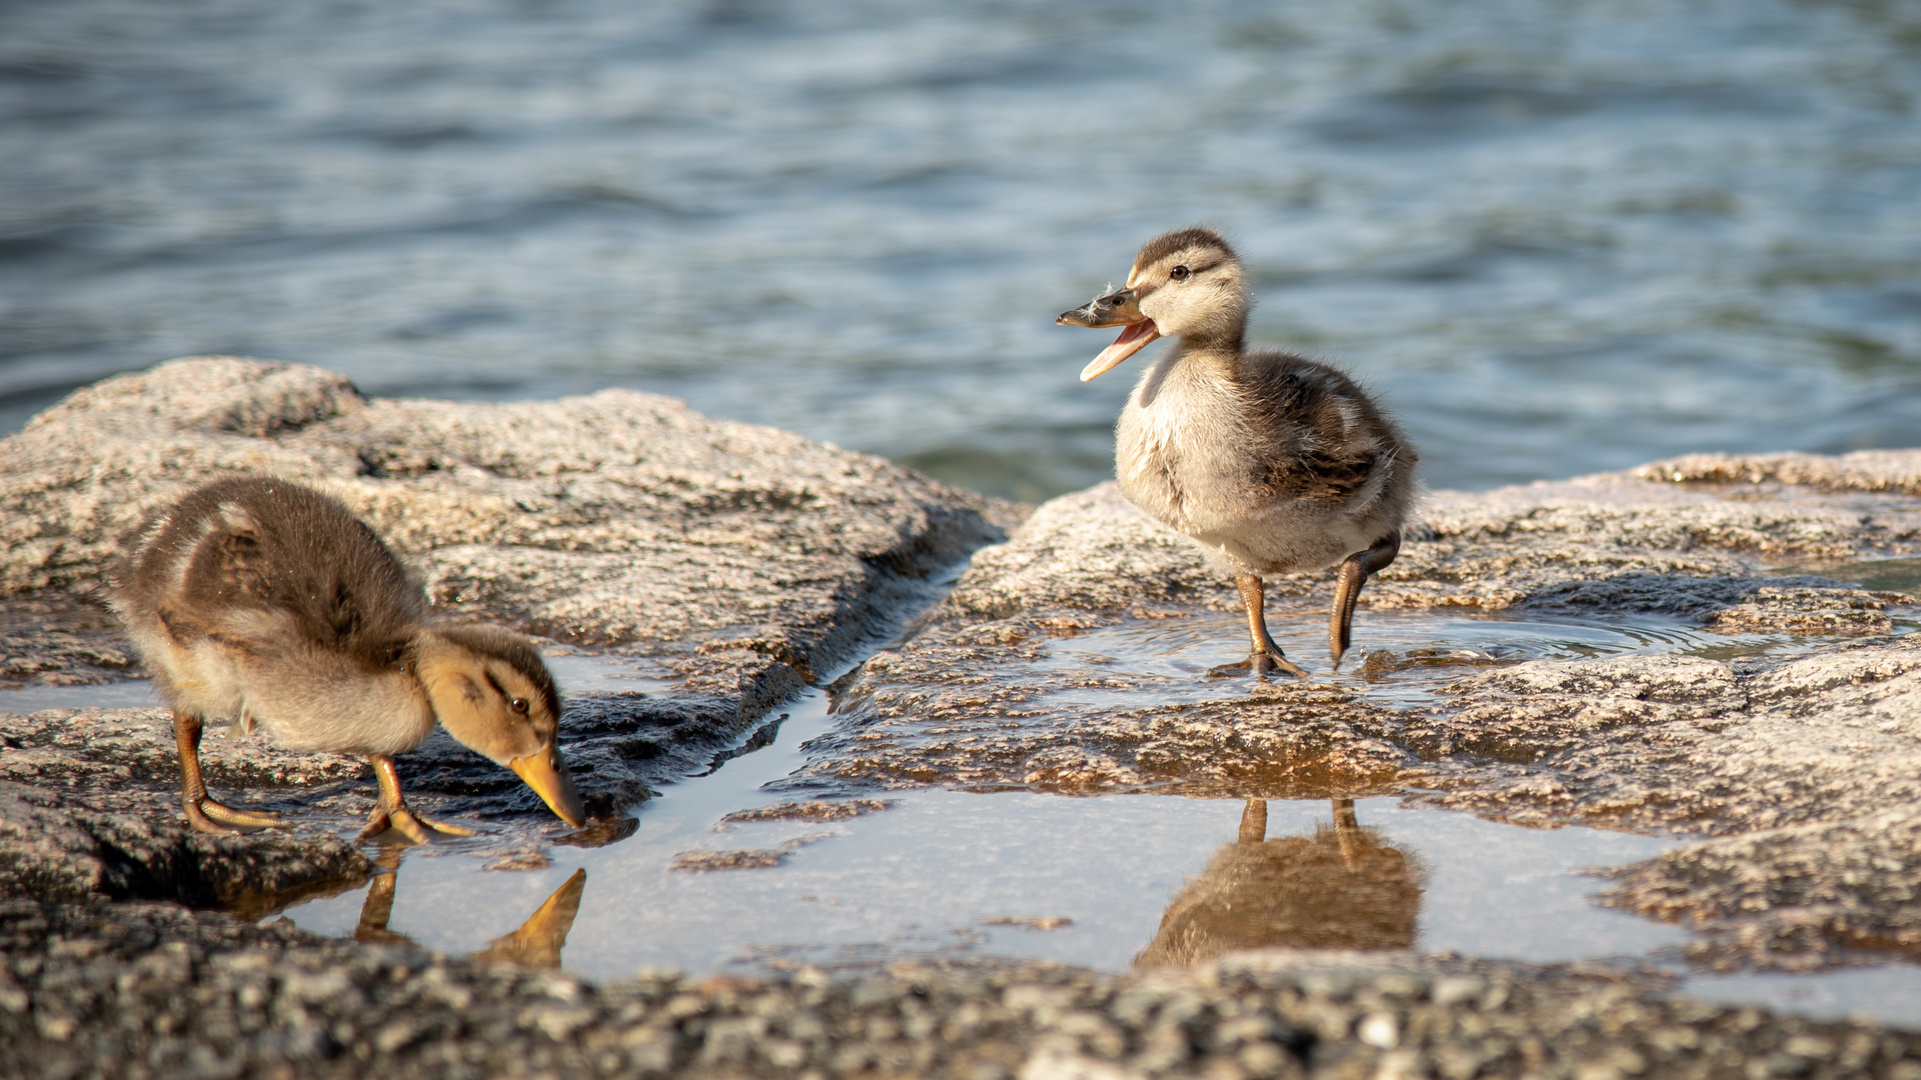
1887	575
729	874
726	874
1397	658
125	694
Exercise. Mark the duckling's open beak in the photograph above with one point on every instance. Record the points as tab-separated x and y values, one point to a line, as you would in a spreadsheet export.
1122	309
548	776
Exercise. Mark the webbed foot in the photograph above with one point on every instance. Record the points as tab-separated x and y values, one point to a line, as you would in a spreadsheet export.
1260	663
209	816
409	824
392	811
1355	570
203	813
1263	655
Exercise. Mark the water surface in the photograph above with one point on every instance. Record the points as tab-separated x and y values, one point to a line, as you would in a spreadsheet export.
1108	882
1557	238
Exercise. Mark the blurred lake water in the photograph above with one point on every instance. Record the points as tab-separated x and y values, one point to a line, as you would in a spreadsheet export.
1556	238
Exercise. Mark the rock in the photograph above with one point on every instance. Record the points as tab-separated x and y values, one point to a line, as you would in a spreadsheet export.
738	859
50	849
1895	471
151	989
838	810
618	517
55	639
1797	898
1803	746
733	563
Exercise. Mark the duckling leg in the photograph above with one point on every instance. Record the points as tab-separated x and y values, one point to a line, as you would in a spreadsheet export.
393	812
1265	656
1347	589
1346	828
1254	821
204	814
378	909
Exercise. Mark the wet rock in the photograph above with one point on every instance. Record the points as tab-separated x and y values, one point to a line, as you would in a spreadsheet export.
837	810
737	859
1796	898
731	562
1797	749
54	639
50	849
150	989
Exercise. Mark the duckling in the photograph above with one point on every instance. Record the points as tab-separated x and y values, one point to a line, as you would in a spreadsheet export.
263	603
1270	462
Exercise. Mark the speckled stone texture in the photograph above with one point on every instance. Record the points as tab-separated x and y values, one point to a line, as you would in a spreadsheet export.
141	990
731	564
1811	757
50	848
620	517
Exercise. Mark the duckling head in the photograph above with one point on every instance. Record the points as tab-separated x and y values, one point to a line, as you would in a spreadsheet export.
1186	283
491	691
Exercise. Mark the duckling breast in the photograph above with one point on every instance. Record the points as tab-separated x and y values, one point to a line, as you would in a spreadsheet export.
1179	446
325	702
1281	465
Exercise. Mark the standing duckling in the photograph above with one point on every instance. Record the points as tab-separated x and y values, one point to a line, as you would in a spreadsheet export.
263	603
1272	463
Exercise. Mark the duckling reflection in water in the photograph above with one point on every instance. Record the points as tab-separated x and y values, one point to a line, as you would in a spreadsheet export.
536	944
1268	461
264	603
1342	888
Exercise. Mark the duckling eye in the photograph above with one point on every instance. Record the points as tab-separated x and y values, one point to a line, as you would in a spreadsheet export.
518	705
1179	273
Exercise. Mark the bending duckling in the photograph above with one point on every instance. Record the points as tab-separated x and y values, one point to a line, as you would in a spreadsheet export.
1272	463
263	603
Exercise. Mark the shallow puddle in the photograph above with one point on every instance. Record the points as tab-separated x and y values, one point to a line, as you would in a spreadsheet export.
1397	658
580	672
1084	881
1889	575
126	694
727	873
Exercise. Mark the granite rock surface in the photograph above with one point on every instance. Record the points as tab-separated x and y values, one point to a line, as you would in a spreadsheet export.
1795	741
148	990
727	565
731	565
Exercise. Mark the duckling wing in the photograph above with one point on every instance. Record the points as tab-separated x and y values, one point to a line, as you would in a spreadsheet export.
1314	435
265	566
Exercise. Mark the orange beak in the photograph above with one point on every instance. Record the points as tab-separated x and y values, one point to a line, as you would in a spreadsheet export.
1121	309
547	775
1132	340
